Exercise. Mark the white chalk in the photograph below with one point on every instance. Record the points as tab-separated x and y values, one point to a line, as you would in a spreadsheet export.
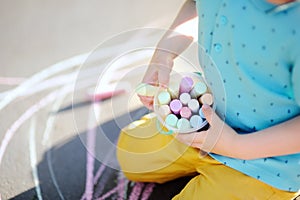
196	121
164	110
193	104
183	124
171	120
145	89
199	89
184	98
164	98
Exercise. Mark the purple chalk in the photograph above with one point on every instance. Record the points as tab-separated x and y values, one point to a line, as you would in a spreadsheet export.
186	85
175	106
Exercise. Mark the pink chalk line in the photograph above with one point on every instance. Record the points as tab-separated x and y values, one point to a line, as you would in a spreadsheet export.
11	80
122	190
25	116
148	191
112	191
100	171
91	138
32	110
136	191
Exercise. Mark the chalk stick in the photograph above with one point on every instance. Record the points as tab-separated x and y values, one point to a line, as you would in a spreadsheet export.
183	124
186	85
164	110
206	98
185	112
201	113
164	98
171	120
198	89
184	98
193	104
175	106
145	89
196	121
174	89
105	95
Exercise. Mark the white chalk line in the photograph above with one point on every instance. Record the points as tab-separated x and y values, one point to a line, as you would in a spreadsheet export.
63	65
68	64
28	113
33	159
90	155
47	142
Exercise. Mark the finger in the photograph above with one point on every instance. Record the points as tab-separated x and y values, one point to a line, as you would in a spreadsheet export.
145	89
208	113
147	101
164	76
146	98
151	76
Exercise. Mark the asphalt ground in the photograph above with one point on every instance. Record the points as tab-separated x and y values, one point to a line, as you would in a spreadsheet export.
54	56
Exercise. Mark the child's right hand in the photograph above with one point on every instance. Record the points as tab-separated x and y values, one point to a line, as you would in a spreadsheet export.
157	74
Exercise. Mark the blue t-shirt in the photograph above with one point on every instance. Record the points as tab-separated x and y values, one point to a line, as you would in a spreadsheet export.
254	74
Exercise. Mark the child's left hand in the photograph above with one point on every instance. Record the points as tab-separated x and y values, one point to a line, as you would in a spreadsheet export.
219	138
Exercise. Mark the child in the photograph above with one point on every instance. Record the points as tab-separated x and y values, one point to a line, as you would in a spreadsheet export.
253	140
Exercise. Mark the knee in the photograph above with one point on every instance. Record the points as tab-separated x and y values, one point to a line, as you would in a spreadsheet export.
130	161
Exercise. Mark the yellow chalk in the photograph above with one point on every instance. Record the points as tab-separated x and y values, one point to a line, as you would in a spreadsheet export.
145	89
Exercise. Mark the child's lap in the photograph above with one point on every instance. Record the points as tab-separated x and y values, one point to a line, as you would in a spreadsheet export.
146	155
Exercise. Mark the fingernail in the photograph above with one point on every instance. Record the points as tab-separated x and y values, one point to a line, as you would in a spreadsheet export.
205	106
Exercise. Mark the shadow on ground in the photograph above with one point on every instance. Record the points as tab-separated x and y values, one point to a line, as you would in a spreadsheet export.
62	172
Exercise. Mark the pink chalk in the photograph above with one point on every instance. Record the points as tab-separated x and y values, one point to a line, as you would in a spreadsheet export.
185	112
175	106
105	95
186	85
164	110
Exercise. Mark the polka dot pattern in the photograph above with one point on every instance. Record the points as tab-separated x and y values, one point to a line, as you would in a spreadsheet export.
250	43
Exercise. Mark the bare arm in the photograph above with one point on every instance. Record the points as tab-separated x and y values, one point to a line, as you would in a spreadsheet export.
171	45
173	41
277	140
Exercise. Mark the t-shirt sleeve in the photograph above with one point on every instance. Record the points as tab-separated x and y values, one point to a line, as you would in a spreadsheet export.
296	80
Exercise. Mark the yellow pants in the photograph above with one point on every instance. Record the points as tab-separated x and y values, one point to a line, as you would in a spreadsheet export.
145	155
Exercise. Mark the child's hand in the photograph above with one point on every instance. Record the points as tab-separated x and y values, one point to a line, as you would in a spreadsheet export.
219	138
157	74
